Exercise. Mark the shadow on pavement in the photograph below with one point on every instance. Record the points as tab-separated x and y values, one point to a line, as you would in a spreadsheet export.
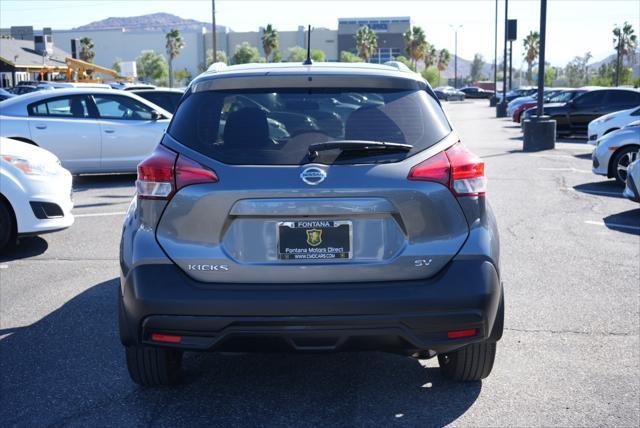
627	222
86	182
602	188
583	156
27	247
68	368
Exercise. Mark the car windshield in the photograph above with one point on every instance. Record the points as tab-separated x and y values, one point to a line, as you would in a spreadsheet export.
267	127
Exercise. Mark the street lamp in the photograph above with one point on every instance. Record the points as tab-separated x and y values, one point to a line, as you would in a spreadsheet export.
213	32
455	55
494	99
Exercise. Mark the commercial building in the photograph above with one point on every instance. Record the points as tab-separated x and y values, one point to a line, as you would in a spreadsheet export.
126	45
29	56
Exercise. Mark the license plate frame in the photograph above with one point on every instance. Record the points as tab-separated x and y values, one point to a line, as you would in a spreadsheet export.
338	244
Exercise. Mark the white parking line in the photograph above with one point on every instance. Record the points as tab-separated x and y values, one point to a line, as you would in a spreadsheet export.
99	214
612	225
567	170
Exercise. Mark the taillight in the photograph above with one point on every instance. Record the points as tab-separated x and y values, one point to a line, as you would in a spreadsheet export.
457	168
165	172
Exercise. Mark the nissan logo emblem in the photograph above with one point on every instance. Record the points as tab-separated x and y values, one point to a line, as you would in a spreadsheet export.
313	175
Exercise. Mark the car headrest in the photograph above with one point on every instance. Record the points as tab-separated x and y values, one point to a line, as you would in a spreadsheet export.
369	123
247	127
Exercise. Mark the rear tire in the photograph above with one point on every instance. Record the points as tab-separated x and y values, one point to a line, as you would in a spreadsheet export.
620	162
150	366
471	363
7	227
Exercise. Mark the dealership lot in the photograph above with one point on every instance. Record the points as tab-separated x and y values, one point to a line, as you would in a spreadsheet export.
569	356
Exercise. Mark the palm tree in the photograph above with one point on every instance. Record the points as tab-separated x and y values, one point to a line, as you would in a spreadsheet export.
430	55
366	42
174	44
417	45
531	51
443	61
86	49
624	42
269	40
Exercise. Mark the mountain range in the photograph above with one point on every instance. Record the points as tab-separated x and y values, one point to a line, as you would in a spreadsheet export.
151	22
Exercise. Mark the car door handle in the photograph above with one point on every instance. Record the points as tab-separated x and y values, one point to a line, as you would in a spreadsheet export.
109	131
41	126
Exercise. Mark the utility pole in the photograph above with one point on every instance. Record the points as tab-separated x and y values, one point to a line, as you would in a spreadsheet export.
455	55
501	109
510	64
213	31
494	98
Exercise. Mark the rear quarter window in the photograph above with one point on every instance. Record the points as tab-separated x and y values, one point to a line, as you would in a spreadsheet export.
262	127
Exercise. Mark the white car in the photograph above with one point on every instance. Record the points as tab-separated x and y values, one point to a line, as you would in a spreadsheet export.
611	122
615	151
35	192
632	188
89	130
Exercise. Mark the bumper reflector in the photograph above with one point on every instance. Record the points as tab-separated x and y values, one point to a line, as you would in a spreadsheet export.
166	338
457	334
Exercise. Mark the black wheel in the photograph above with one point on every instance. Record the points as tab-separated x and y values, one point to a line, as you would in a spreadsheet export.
471	363
150	366
620	162
7	227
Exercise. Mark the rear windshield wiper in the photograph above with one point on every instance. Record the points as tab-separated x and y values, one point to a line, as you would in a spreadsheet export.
357	146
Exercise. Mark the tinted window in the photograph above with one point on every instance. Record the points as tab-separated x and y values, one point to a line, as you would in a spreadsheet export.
260	127
74	106
590	99
624	97
115	107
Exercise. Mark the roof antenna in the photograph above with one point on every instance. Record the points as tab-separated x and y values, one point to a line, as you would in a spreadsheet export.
308	60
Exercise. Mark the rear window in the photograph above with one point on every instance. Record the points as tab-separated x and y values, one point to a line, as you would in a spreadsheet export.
276	128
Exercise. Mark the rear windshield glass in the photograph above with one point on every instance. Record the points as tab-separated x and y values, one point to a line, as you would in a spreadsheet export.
276	128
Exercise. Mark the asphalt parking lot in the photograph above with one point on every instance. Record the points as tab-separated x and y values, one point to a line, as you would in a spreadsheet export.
569	357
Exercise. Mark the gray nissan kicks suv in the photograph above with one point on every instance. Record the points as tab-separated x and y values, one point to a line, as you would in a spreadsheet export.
310	208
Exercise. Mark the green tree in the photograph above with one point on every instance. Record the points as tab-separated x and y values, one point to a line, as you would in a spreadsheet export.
116	65
174	45
430	56
269	40
346	56
276	56
624	42
221	56
318	56
444	57
404	60
417	45
576	70
183	76
476	67
531	51
366	43
296	54
549	75
152	67
245	53
431	75
86	49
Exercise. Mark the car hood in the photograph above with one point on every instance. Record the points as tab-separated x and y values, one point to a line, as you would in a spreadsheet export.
629	135
613	115
28	151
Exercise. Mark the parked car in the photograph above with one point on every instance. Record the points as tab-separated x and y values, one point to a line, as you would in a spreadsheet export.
23	89
574	116
379	238
166	98
557	98
90	130
130	86
476	92
449	93
615	151
611	122
4	94
67	85
35	196
522	91
632	185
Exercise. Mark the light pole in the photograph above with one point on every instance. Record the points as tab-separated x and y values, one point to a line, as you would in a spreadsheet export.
455	55
494	99
213	31
501	108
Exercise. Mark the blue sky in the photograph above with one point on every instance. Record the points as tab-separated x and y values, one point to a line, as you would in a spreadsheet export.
573	27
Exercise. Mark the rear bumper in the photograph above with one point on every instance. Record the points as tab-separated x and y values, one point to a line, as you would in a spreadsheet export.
404	316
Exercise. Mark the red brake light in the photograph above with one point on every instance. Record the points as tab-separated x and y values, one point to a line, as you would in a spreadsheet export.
436	168
457	168
457	334
166	338
155	174
165	172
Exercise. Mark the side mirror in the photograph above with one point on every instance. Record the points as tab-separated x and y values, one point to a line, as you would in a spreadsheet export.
155	115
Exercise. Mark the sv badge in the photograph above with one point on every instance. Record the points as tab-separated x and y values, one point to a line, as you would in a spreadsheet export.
422	262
